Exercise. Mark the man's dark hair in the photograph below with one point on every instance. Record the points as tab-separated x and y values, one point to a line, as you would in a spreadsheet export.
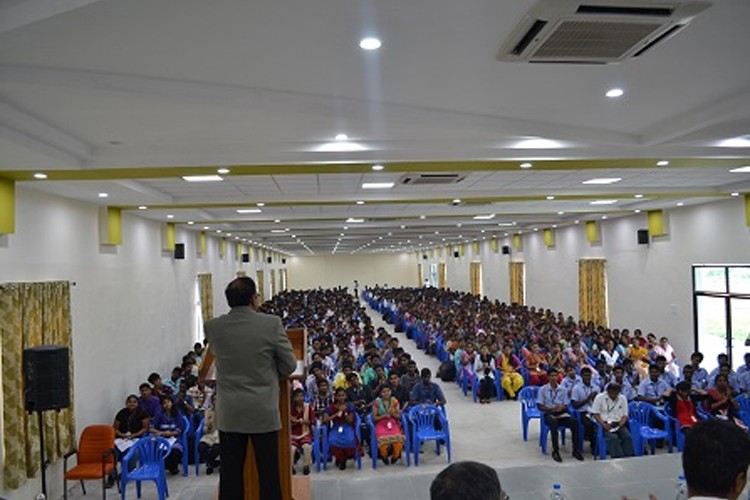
144	385
683	386
466	481
240	291
153	377
425	372
585	369
715	453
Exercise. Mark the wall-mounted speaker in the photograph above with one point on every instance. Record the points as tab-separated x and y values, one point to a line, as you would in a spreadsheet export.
424	257
455	255
46	378
245	257
283	261
643	236
506	250
269	259
179	251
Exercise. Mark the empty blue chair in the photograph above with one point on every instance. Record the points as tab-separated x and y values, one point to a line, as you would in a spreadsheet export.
146	457
744	402
422	419
640	418
527	397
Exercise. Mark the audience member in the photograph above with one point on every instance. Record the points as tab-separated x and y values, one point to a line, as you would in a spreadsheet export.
553	402
386	415
302	422
168	424
341	436
209	447
467	481
610	409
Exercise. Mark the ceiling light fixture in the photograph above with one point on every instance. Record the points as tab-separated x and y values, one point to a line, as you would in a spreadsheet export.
662	163
616	92
604	217
249	210
484	217
261	204
741	170
456	201
637	211
222	171
735	142
370	43
103	195
377	185
603	180
550	197
190	223
561	213
202	178
526	165
170	216
638	196
735	194
354	221
142	207
679	204
378	167
360	202
602	202
341	137
40	176
423	217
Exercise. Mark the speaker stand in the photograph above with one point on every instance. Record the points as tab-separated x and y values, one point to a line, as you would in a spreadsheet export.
41	454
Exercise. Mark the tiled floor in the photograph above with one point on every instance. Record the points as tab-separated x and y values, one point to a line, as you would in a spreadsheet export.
486	433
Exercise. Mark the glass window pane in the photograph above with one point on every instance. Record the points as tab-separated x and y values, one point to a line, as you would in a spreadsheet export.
740	330
710	279
739	279
712	327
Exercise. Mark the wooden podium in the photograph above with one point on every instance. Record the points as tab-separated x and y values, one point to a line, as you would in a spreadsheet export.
298	337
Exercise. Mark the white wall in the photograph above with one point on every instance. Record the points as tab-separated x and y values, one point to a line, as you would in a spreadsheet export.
341	270
132	306
649	286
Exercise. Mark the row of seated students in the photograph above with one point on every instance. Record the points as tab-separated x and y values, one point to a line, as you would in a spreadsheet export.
355	371
160	408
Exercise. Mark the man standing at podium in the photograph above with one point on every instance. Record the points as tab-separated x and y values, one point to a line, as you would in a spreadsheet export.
252	353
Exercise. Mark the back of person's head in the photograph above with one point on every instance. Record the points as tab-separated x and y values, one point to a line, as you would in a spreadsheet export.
466	481
240	291
425	373
715	459
153	378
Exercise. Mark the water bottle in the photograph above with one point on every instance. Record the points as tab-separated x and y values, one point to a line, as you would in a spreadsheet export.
557	493
40	496
681	488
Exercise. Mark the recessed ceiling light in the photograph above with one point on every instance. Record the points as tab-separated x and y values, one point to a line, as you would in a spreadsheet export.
229	234
602	202
277	231
403	226
741	170
550	197
205	227
40	175
142	207
341	137
360	202
377	185
202	178
422	217
378	167
456	201
679	204
576	221
459	225
560	213
603	180
222	171
536	229
354	220
103	195
538	143
261	204
662	163
170	216
637	211
526	165
370	43
249	210
190	223
554	226
484	217
218	230
611	93
638	196
735	194
604	217
506	224
735	142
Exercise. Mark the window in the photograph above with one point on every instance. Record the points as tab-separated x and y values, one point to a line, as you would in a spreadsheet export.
721	311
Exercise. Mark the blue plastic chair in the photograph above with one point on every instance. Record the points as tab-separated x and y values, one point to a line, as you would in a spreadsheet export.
527	396
544	429
324	449
149	452
422	419
496	383
744	402
197	439
185	443
640	417
374	440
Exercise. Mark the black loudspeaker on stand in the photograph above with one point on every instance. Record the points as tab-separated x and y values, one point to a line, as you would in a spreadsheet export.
46	387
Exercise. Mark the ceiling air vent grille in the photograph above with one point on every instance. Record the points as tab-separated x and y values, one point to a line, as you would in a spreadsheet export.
608	31
422	179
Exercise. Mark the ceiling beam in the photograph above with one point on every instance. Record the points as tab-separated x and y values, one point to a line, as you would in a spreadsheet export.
20	13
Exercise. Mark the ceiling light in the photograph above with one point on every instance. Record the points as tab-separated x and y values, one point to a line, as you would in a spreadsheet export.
611	93
249	210
142	207
484	217
526	165
103	195
662	163
506	224
190	223
346	227
741	170
536	229
538	143
550	197
459	224
602	202
218	230
403	226
277	231
222	171
735	194
638	196
170	216
735	142
202	178
604	217
560	213
369	43
354	220
576	221
637	211
680	204
205	227
603	180
341	137
40	175
554	226
340	147
261	204
456	201
377	185
378	167
360	202
422	217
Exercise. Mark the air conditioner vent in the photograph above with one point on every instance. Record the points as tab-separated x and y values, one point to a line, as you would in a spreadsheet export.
422	179
609	31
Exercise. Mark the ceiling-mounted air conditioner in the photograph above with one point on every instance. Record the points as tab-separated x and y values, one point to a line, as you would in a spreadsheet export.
595	31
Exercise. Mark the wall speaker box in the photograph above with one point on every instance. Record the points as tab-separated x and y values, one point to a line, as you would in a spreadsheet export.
269	259
283	261
506	250
245	257
424	257
46	378
643	236
179	251
455	254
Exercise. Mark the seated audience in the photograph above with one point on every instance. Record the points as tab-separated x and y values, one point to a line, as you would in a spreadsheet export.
652	389
148	401
721	403
681	407
426	391
132	421
618	376
341	437
324	398
209	447
484	368
157	387
302	420
553	402
536	363
700	375
467	481
398	391
582	396
510	366
610	410
664	349
411	377
168	424
386	415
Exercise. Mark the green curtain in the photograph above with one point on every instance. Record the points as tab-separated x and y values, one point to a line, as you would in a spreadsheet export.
32	314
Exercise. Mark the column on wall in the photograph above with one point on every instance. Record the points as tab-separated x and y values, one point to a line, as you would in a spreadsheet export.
442	271
419	274
517	275
259	284
273	282
205	285
592	291
475	278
